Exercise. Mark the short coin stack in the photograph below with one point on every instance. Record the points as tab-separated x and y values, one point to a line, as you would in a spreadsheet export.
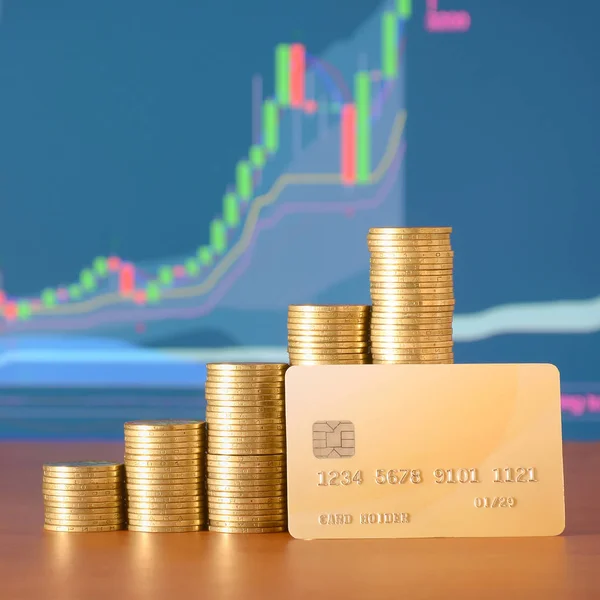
328	334
165	470
83	496
412	294
246	448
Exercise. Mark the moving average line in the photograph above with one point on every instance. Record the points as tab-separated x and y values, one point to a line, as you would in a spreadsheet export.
251	223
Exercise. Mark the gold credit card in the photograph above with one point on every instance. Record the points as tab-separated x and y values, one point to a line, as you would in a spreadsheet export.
400	451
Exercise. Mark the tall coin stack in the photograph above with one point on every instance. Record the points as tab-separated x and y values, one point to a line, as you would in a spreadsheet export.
328	334
413	295
83	496
246	466
165	470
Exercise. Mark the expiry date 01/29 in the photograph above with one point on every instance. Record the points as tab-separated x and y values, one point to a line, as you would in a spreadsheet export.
496	502
502	475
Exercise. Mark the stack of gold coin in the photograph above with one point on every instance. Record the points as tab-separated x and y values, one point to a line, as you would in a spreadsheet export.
83	496
413	295
165	471
328	334
246	466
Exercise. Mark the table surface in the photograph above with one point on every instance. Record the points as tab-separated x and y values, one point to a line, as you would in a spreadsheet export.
36	565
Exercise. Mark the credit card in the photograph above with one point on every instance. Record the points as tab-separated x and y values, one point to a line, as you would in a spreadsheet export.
412	451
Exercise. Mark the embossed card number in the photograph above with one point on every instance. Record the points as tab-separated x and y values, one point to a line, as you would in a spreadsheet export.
500	423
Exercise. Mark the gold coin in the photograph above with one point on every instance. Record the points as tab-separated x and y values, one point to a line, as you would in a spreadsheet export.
325	338
73	504
422	319
248	461
172	448
336	349
258	368
54	510
212	397
224	520
164	520
177	449
246	503
190	478
160	435
327	321
109	488
247	451
152	463
406	313
164	425
165	486
228	420
412	362
273	395
243	440
200	513
410	326
246	472
165	477
95	467
375	243
258	478
409	231
254	411
164	441
416	304
329	346
319	355
247	509
328	309
271	489
411	281
225	404
380	267
83	480
219	379
191	471
151	529
306	362
247	529
255	386
267	429
84	528
394	342
220	513
399	336
409	358
243	390
395	297
84	519
162	453
223	443
396	289
169	492
84	523
167	507
416	350
53	492
220	493
351	329
401	253
412	347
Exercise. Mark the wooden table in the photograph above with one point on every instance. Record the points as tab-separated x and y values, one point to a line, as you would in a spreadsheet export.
111	566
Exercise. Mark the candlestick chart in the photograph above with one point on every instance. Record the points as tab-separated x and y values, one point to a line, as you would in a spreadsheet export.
326	162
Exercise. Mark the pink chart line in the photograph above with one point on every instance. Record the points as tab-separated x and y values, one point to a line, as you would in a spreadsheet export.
142	314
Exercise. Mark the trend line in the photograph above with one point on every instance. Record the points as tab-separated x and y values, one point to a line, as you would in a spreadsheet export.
152	314
561	316
261	202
